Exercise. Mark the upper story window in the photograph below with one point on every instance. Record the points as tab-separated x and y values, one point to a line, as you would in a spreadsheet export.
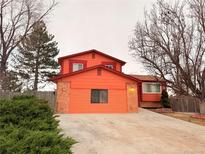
151	87
77	66
109	66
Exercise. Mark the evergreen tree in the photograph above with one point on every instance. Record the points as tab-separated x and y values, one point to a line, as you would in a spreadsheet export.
36	57
12	82
165	99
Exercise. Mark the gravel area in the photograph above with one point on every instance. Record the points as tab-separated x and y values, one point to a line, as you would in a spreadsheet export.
144	132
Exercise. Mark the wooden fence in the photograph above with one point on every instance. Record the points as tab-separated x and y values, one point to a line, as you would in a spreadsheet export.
47	95
185	104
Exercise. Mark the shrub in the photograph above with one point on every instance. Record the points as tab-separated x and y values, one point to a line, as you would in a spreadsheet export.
165	99
21	140
27	125
30	113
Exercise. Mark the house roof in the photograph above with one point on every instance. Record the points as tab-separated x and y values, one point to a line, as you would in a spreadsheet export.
148	78
91	51
92	68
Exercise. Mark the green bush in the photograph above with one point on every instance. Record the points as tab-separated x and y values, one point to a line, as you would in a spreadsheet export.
27	126
165	99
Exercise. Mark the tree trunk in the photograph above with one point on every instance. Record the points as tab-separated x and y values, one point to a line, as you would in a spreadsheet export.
202	107
2	75
35	86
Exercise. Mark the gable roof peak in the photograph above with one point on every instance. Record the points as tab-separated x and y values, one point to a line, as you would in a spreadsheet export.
90	51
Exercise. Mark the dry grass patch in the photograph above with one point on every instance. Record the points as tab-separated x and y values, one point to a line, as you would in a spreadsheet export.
186	117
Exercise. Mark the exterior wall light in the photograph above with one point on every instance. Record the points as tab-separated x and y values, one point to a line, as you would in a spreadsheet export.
131	89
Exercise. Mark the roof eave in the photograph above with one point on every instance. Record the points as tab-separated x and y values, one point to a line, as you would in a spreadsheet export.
92	50
54	79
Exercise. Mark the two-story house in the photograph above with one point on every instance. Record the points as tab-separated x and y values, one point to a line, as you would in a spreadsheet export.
93	82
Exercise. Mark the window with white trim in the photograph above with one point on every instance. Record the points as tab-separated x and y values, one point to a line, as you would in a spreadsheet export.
151	87
77	66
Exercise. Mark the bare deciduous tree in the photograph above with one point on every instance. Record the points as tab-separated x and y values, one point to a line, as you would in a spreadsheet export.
171	44
16	19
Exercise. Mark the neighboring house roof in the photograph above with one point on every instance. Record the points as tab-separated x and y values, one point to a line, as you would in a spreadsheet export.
91	51
92	68
148	78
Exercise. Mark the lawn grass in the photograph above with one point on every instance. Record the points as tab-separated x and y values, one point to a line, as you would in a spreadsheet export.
186	117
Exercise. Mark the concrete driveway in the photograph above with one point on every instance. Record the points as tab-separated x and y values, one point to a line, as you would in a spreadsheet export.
145	132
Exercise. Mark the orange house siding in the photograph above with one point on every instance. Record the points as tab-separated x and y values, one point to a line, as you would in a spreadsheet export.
99	59
151	97
82	103
125	92
80	93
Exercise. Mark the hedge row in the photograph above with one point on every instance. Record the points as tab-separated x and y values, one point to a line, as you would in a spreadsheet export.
27	126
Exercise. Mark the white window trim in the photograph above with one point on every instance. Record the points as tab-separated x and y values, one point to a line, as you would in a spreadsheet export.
145	83
77	64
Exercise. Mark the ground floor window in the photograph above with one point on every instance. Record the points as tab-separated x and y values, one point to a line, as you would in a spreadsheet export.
99	95
151	87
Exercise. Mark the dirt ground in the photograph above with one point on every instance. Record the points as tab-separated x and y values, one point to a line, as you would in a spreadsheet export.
186	117
144	132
